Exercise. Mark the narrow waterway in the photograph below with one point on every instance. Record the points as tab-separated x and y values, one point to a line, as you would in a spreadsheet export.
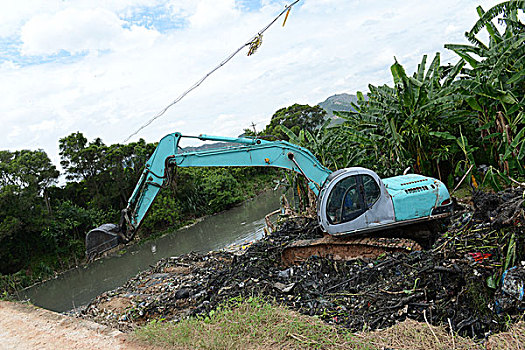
77	287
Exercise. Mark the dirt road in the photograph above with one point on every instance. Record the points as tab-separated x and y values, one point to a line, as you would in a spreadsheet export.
28	327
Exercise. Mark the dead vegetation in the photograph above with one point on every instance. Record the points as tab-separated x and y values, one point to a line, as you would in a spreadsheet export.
455	286
256	324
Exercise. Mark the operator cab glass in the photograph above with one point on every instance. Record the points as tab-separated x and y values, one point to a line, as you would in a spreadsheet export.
351	197
371	189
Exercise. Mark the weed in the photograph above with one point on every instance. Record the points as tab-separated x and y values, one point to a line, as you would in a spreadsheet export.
249	323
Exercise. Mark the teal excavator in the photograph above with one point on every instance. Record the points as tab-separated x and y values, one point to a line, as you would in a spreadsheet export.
351	202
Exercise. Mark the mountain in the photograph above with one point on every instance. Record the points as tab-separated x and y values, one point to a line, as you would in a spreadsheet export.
338	102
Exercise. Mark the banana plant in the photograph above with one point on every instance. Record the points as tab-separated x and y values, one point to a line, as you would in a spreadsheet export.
333	149
494	83
398	121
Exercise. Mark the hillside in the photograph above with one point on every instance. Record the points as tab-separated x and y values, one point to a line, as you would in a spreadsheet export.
338	102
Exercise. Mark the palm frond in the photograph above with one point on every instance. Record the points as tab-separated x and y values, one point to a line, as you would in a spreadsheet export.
516	49
456	69
467	48
421	69
472	39
494	12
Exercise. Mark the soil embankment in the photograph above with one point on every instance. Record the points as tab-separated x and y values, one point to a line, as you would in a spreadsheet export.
455	284
24	326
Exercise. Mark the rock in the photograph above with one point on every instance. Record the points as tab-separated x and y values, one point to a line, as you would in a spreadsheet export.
284	288
182	293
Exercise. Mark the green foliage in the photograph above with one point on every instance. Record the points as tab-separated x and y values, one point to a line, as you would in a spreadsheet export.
397	126
43	226
81	160
221	190
296	118
71	220
105	175
248	323
27	169
165	212
441	120
196	192
24	207
494	86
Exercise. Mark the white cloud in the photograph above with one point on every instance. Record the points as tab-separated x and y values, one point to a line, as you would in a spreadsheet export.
76	31
132	72
451	28
44	126
211	12
14	13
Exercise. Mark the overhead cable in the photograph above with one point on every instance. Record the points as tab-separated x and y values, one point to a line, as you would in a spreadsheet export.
253	43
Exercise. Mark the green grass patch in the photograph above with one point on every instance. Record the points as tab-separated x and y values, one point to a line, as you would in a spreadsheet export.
255	323
252	323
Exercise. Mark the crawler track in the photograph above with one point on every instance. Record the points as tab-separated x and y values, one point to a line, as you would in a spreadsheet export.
345	248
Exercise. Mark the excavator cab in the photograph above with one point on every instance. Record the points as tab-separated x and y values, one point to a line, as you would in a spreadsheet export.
354	200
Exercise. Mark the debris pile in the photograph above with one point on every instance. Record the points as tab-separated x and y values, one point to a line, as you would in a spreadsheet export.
456	284
511	296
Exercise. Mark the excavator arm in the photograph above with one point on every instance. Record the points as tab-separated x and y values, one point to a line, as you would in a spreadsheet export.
352	201
245	152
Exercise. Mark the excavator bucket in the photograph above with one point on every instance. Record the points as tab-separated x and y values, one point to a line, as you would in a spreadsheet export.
101	239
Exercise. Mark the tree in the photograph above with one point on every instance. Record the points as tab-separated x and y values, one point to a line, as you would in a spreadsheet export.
27	169
81	161
24	177
123	167
296	118
107	174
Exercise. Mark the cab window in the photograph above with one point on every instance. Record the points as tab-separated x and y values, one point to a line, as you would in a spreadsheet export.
345	201
372	191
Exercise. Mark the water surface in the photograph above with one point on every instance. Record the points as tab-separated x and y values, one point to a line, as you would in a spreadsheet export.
78	286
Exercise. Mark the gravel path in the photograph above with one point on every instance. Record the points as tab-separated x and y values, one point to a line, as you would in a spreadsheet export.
28	327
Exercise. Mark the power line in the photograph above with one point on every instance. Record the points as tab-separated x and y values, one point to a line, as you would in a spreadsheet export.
254	43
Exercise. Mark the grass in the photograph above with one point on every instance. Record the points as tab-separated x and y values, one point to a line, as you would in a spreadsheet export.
513	339
249	324
257	324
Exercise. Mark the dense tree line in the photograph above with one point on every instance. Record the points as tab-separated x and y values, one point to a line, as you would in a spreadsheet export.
43	224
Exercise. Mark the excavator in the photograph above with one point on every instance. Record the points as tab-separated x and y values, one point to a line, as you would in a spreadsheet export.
351	202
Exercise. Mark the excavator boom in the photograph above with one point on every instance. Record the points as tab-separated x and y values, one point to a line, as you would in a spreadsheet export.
246	152
241	152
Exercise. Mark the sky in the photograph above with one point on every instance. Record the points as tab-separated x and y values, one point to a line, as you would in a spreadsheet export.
105	67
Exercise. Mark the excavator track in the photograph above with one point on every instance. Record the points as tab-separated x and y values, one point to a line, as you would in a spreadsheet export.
345	248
